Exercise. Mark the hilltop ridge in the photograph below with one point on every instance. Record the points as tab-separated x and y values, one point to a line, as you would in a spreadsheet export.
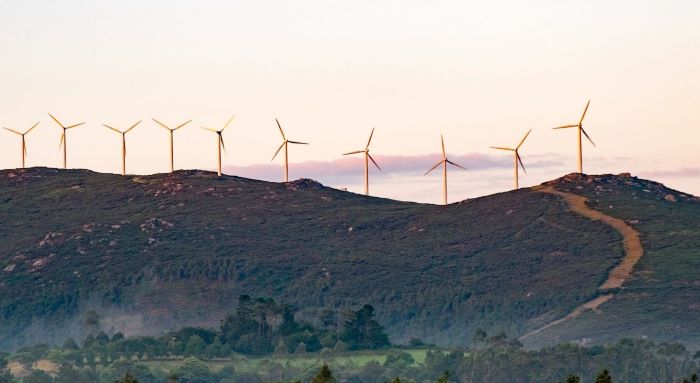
153	253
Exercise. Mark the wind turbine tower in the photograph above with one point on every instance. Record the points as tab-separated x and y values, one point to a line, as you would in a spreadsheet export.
444	163
24	143
368	157
171	131
285	145
64	138
220	142
581	131
517	158
123	134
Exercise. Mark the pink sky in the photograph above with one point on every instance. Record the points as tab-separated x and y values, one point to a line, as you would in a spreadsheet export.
482	73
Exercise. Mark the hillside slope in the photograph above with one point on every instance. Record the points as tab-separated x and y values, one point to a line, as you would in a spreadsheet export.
151	253
661	297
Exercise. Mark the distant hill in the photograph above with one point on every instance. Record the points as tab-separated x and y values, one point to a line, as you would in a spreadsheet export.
153	253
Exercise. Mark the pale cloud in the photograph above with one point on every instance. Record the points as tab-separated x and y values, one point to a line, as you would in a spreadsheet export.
350	167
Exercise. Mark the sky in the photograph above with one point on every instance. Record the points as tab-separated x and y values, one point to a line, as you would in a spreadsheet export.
481	73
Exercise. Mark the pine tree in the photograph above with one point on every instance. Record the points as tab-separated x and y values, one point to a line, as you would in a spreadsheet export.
573	379
444	378
324	376
127	379
604	377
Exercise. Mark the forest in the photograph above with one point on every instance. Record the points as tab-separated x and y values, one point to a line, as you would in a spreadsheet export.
263	341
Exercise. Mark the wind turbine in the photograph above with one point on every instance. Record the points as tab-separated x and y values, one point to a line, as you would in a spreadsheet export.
171	130
64	138
24	144
517	156
444	161
220	141
123	133
286	150
580	130
368	158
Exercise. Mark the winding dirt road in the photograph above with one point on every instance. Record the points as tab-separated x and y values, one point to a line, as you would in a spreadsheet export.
617	276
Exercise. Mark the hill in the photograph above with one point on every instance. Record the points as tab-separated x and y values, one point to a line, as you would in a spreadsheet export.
153	253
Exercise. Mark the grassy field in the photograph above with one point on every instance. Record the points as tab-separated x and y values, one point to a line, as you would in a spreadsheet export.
349	359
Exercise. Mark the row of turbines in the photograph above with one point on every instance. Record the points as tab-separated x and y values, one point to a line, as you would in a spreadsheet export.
444	162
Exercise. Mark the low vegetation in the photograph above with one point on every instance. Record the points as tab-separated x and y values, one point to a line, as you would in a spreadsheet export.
493	359
150	254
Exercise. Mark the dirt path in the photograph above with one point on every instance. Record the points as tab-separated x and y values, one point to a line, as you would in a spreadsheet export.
630	242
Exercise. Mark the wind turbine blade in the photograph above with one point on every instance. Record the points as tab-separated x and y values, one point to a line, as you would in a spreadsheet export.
589	138
355	152
584	112
373	161
221	139
24	148
63	137
280	128
210	129
55	119
12	130
133	126
520	160
501	148
433	168
566	127
32	128
457	165
183	124
297	142
228	122
74	126
160	123
370	139
278	150
109	127
442	140
523	140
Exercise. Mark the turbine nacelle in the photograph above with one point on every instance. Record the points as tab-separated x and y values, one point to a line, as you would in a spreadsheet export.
24	143
444	162
581	131
285	144
368	157
516	151
220	141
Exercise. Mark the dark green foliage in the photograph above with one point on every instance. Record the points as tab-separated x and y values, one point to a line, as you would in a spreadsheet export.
70	374
6	377
603	377
70	344
180	248
444	378
36	376
193	370
573	379
324	376
363	332
399	360
120	368
268	324
260	326
127	379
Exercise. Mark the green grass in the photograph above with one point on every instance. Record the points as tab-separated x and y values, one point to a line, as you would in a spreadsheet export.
348	359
